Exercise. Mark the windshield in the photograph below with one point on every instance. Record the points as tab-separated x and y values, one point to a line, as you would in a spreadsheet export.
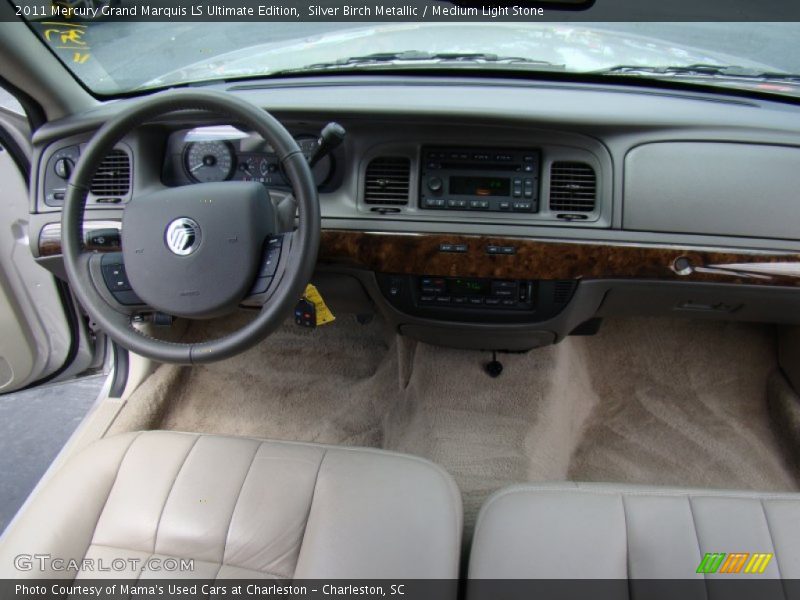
118	57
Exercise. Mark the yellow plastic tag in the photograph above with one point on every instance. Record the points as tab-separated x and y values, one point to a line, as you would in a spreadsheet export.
324	314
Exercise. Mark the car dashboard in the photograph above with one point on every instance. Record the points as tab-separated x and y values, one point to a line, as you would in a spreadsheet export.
498	214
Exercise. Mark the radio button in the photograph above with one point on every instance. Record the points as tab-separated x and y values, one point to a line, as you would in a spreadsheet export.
434	202
435	183
476	300
479	204
505	285
426	299
504	205
459	299
493	302
522	206
457	203
509	303
529	188
443	299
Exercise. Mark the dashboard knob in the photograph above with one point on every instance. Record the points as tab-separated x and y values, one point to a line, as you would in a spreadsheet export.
63	167
435	184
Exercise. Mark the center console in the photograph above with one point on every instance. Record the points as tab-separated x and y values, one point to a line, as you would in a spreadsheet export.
485	179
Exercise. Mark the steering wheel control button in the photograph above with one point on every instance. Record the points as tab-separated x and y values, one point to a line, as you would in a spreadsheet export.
272	254
115	277
183	236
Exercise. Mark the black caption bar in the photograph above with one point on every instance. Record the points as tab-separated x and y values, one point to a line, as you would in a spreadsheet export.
485	589
409	10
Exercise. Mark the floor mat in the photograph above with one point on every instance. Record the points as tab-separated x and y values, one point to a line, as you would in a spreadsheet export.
652	401
683	404
330	385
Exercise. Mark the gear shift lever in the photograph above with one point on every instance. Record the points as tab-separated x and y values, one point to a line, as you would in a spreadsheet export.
330	138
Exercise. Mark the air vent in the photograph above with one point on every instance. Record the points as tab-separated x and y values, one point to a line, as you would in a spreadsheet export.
113	177
387	181
573	187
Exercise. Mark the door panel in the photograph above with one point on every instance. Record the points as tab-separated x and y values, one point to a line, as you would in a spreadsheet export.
34	336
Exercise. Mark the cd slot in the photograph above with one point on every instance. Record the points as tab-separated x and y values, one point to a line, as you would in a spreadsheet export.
452	166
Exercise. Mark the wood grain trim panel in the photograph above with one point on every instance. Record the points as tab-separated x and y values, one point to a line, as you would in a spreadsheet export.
420	254
535	259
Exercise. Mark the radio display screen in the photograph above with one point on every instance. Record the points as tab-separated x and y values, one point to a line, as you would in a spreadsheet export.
480	186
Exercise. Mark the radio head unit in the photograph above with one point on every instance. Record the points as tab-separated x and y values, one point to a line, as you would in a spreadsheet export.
480	179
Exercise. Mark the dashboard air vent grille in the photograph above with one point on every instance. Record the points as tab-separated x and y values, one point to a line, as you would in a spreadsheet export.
573	187
387	181
113	177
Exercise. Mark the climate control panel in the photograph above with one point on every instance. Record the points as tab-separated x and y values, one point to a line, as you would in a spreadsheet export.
469	299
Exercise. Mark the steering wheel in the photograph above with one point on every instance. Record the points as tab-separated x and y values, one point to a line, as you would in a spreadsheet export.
197	251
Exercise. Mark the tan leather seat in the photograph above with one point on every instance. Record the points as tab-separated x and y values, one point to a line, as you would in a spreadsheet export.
242	508
563	531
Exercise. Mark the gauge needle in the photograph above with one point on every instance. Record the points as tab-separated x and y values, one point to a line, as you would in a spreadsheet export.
200	166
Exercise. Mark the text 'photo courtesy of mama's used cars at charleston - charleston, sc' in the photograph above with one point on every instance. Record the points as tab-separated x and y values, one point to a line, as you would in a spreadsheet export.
426	299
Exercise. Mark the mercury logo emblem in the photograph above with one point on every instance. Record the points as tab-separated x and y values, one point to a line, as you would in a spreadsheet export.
183	236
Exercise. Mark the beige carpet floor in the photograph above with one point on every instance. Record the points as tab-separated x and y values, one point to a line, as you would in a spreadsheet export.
651	401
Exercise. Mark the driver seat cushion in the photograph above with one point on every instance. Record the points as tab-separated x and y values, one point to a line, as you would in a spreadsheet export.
243	508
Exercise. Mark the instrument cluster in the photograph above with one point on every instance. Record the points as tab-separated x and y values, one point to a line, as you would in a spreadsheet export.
225	153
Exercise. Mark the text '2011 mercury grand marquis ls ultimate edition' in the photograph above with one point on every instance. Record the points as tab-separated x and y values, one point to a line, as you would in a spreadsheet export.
469	307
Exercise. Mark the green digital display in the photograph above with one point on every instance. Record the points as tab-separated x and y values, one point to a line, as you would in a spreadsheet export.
468	286
480	186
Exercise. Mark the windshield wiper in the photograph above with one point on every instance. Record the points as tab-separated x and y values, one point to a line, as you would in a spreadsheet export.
701	70
383	59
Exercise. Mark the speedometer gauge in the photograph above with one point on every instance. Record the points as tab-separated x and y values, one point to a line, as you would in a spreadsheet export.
209	161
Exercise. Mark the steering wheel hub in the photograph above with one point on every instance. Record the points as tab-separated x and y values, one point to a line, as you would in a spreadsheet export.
183	236
193	251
